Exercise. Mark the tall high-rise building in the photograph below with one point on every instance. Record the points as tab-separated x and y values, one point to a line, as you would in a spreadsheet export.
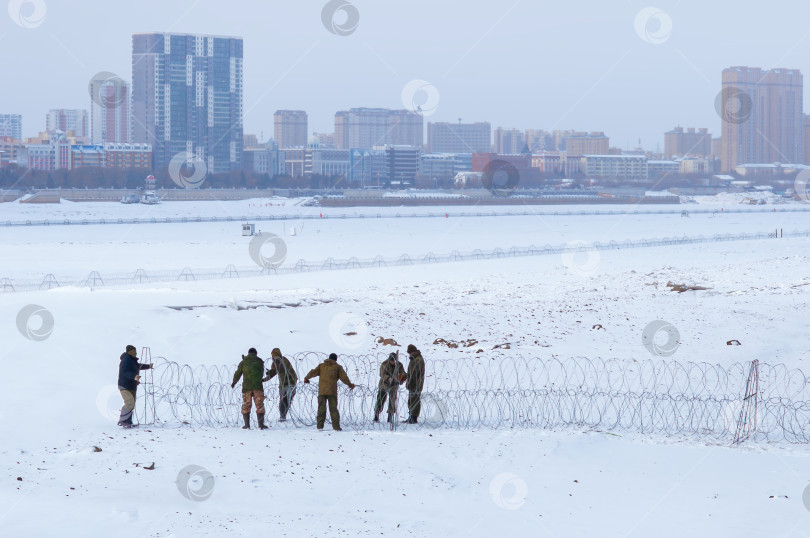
365	128
678	143
11	126
762	116
67	120
459	137
187	97
806	121
290	128
509	141
109	111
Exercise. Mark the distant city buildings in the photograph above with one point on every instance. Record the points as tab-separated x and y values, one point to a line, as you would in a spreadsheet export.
250	141
595	143
264	159
762	116
67	121
118	155
436	166
557	163
632	167
60	153
459	137
365	128
109	111
678	143
53	154
324	140
389	165
187	97
290	128
11	126
509	141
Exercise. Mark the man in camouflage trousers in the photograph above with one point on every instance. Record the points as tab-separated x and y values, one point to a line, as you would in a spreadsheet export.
392	375
329	372
414	381
250	369
287	378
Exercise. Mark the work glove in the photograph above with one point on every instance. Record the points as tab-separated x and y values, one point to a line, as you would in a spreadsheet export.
233	385
306	381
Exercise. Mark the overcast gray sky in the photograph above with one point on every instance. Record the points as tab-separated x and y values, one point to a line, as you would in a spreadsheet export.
581	64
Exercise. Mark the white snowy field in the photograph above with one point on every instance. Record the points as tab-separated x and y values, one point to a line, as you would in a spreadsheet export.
56	393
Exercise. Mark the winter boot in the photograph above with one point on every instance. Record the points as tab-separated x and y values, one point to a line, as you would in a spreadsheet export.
390	417
247	422
260	416
376	417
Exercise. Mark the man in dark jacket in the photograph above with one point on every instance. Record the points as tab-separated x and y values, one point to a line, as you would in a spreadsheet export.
251	367
414	381
287	378
329	372
392	375
129	370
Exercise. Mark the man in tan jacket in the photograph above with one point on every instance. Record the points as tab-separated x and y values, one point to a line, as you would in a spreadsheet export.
329	372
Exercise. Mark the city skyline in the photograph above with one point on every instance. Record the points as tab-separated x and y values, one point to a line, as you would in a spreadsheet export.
518	66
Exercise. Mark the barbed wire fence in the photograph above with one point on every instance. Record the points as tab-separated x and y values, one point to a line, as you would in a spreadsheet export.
753	401
320	215
96	279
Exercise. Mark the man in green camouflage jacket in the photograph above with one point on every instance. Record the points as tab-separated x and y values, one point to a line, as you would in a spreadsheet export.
287	378
392	375
329	372
250	369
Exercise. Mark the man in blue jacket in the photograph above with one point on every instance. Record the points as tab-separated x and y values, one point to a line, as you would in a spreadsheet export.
128	378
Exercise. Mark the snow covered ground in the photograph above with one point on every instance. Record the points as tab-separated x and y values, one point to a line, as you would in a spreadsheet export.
56	392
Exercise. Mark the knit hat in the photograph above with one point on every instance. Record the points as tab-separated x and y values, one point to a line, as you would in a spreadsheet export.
276	352
392	356
252	351
333	356
130	348
412	348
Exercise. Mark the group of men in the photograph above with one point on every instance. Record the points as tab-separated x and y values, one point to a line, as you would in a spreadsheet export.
251	370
